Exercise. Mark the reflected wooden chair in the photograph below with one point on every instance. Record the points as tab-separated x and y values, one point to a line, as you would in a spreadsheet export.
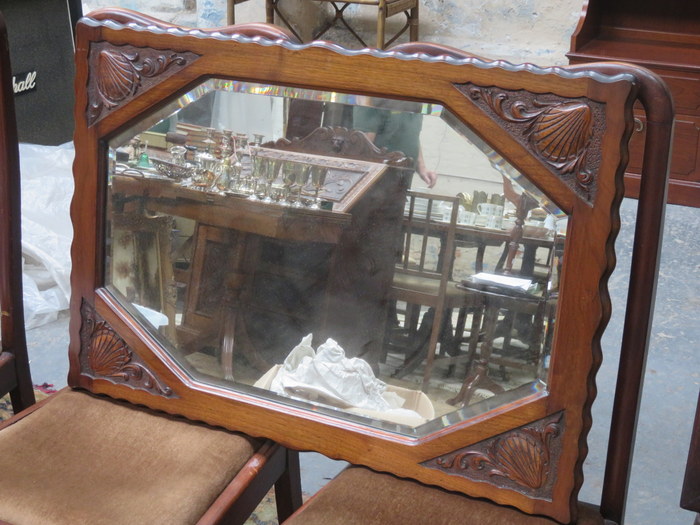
77	457
15	376
385	9
422	279
491	316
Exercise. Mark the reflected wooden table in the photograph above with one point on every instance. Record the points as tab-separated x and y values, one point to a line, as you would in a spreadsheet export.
226	252
492	300
482	237
331	278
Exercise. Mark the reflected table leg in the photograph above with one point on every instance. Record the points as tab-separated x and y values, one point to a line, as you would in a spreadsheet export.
234	334
478	376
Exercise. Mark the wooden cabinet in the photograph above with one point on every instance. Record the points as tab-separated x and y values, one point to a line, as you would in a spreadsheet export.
664	37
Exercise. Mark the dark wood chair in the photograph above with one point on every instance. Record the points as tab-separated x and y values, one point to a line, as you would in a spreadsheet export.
77	457
690	495
15	376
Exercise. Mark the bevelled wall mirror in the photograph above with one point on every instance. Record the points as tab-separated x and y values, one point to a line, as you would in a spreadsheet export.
264	232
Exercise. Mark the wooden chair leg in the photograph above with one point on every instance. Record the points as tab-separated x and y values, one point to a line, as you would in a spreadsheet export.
413	24
381	25
270	11
435	334
288	488
22	395
230	12
458	338
421	341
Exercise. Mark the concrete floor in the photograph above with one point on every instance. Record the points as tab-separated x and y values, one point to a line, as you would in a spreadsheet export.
671	382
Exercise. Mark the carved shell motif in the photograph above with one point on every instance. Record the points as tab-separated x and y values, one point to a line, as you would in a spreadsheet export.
560	131
561	134
117	74
108	354
524	458
104	354
117	77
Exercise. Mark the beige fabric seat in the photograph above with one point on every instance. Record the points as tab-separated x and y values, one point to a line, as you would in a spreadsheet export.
80	458
454	296
359	495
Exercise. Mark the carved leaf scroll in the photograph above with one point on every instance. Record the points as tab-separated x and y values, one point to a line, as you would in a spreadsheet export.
105	355
564	133
119	73
524	459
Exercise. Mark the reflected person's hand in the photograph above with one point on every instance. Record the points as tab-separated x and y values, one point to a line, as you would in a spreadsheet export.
428	176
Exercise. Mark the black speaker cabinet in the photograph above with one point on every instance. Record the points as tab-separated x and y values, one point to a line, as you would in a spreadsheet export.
41	51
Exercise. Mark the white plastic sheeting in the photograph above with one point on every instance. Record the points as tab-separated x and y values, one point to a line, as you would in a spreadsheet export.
47	189
327	377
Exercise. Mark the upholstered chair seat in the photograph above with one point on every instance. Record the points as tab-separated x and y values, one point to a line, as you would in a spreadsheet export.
81	458
360	495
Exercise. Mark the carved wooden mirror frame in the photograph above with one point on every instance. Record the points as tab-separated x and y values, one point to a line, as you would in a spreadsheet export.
545	432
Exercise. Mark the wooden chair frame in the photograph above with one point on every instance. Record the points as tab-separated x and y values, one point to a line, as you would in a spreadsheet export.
478	93
690	494
15	377
422	228
269	464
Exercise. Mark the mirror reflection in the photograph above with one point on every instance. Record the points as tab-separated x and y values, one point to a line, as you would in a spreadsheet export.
364	257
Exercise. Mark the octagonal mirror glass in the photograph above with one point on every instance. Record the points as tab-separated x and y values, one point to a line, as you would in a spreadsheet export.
368	258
